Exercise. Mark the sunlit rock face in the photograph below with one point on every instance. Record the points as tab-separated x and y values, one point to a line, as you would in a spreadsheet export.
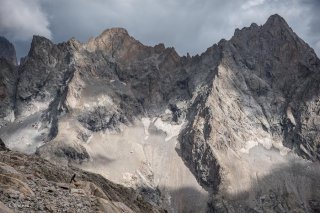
232	130
249	122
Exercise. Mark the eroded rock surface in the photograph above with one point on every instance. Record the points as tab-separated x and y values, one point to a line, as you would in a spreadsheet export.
30	183
8	81
236	127
7	51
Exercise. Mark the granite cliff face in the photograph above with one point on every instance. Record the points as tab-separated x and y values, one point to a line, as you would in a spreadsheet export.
235	129
8	81
7	51
251	122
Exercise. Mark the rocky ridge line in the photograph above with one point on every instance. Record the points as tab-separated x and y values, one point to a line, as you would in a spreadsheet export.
257	93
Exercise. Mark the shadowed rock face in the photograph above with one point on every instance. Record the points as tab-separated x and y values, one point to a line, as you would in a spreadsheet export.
7	51
3	146
224	120
262	93
285	68
8	81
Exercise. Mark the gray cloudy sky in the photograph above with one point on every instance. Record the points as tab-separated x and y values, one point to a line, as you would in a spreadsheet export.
188	25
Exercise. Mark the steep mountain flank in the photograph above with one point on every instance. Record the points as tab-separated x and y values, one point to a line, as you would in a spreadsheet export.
7	51
248	122
8	81
235	129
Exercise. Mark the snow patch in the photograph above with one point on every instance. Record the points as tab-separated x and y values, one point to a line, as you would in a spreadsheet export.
249	145
267	143
101	100
290	116
167	111
25	135
170	129
10	117
146	123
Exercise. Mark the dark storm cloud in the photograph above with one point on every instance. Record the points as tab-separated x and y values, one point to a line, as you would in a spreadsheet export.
182	24
188	25
314	24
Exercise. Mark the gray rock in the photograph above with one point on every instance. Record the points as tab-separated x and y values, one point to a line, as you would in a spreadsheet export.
8	83
54	192
7	51
250	106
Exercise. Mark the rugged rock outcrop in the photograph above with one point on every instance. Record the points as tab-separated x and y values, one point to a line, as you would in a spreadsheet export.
8	81
30	183
238	126
261	94
7	51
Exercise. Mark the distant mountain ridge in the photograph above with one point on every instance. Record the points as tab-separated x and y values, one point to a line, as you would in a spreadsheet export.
236	127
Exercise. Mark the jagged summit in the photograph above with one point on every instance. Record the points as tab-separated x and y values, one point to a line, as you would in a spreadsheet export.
114	31
277	20
115	41
231	128
278	27
39	44
275	24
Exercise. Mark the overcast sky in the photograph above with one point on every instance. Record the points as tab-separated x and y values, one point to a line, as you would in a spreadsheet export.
188	25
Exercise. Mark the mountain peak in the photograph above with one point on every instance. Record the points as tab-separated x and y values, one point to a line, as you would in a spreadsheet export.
276	18
39	44
39	39
276	26
113	40
114	32
276	22
227	120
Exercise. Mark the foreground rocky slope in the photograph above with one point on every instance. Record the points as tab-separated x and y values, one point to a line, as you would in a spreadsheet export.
32	184
232	130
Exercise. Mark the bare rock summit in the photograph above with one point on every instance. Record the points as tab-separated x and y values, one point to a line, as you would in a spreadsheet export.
235	129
